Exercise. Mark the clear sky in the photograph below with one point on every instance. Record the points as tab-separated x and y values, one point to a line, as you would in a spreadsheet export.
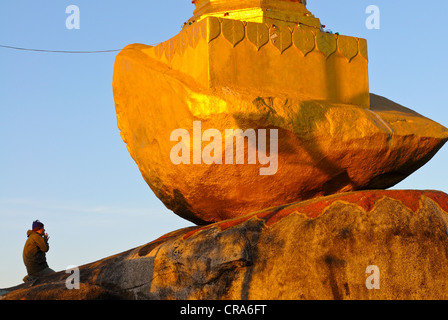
62	160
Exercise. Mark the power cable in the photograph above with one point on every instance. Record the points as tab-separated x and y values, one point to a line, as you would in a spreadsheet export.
57	51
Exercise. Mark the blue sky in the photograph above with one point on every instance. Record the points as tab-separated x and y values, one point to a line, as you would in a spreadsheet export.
62	160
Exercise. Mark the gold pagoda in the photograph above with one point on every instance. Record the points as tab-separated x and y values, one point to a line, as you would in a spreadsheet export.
283	12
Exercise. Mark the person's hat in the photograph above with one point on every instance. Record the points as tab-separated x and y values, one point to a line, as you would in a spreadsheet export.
37	225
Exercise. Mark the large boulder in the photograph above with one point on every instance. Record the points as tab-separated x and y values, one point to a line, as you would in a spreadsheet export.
237	113
361	245
322	148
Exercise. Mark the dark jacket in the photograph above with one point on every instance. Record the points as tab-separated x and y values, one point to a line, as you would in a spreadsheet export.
34	253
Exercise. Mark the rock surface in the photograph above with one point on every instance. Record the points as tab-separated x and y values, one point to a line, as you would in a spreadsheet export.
317	249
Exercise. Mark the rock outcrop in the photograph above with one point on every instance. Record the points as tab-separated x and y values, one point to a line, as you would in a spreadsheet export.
317	249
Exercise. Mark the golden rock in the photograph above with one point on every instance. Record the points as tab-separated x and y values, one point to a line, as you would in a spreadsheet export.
264	70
